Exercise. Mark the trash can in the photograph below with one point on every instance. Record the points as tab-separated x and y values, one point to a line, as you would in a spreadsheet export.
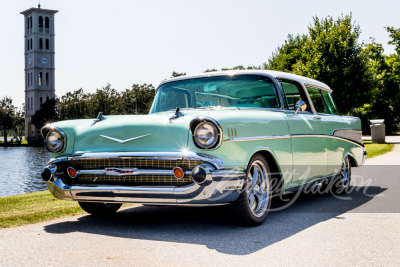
378	131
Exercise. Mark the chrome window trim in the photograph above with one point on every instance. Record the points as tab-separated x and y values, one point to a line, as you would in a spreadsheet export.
182	78
318	87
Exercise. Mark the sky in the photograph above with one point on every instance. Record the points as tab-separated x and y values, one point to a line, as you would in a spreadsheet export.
125	42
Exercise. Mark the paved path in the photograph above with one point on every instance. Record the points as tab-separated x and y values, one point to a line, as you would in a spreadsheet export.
318	229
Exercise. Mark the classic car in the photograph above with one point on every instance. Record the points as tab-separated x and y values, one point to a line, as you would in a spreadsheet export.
235	138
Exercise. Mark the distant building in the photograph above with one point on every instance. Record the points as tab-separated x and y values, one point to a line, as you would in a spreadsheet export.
39	63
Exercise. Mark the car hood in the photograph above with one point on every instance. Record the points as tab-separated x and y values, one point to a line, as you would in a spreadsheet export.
154	132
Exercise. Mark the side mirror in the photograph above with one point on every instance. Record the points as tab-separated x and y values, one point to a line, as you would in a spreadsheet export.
300	106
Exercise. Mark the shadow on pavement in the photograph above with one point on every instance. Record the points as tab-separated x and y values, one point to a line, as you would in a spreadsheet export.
212	227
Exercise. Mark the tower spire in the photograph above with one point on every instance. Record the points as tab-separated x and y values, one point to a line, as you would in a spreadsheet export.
39	4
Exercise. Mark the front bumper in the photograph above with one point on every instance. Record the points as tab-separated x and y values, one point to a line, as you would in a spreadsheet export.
221	186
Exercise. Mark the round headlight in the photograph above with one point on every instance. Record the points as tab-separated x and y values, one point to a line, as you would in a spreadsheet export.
54	141
206	135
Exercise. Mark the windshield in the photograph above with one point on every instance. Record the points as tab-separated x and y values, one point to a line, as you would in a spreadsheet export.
244	91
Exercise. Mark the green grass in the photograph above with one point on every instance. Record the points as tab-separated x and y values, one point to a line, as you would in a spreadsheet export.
33	208
374	150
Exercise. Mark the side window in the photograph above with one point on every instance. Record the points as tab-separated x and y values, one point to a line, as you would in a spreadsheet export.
293	92
318	100
331	105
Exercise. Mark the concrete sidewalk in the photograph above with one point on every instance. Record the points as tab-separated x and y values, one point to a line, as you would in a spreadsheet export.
390	158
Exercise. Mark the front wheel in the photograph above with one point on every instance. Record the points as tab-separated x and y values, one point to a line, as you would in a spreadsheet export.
253	204
100	209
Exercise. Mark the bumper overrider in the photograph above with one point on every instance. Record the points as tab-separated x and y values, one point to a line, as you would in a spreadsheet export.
113	178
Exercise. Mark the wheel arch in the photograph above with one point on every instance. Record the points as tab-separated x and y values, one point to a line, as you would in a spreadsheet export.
273	165
352	158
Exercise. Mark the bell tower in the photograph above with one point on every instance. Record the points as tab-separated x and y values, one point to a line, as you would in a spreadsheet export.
39	63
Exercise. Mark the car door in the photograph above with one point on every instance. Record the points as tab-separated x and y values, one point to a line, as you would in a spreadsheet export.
307	135
331	121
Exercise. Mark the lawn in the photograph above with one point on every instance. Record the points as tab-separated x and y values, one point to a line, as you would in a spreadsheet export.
33	208
374	150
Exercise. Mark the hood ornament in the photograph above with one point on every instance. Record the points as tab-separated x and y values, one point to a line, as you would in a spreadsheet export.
100	117
176	115
123	141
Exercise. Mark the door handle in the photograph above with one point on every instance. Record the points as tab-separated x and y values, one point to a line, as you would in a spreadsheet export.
317	118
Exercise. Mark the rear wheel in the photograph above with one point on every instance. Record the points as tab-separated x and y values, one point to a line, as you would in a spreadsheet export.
340	184
253	204
100	209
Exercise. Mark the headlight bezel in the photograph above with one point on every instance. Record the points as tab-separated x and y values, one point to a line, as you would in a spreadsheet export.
194	126
47	131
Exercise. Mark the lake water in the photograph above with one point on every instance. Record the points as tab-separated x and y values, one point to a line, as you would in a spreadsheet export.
20	169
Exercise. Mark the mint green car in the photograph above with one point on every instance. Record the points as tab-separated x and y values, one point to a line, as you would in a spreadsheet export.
236	138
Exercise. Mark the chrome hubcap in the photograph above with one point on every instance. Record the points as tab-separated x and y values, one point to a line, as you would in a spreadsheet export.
258	188
345	172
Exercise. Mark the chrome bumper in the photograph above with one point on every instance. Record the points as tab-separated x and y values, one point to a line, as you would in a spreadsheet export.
221	186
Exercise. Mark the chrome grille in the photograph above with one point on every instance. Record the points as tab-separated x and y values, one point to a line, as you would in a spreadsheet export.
141	163
132	162
166	180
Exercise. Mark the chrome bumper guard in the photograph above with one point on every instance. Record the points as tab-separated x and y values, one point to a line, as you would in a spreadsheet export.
221	186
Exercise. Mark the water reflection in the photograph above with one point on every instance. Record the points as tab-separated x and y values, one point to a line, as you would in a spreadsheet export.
20	169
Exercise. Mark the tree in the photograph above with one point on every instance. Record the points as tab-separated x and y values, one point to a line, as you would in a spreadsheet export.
19	122
330	53
46	114
137	100
177	74
7	111
395	35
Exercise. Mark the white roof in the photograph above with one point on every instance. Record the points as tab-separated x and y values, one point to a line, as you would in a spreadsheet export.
271	73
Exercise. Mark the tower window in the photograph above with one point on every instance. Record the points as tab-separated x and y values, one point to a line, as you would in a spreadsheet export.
47	44
27	24
31	44
31	78
40	24
28	44
40	78
41	100
28	104
47	78
30	21
40	43
46	24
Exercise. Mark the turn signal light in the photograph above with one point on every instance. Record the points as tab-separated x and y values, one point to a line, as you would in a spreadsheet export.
178	173
71	172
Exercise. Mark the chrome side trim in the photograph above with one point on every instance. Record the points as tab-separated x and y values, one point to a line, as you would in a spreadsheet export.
268	137
257	138
135	171
217	163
